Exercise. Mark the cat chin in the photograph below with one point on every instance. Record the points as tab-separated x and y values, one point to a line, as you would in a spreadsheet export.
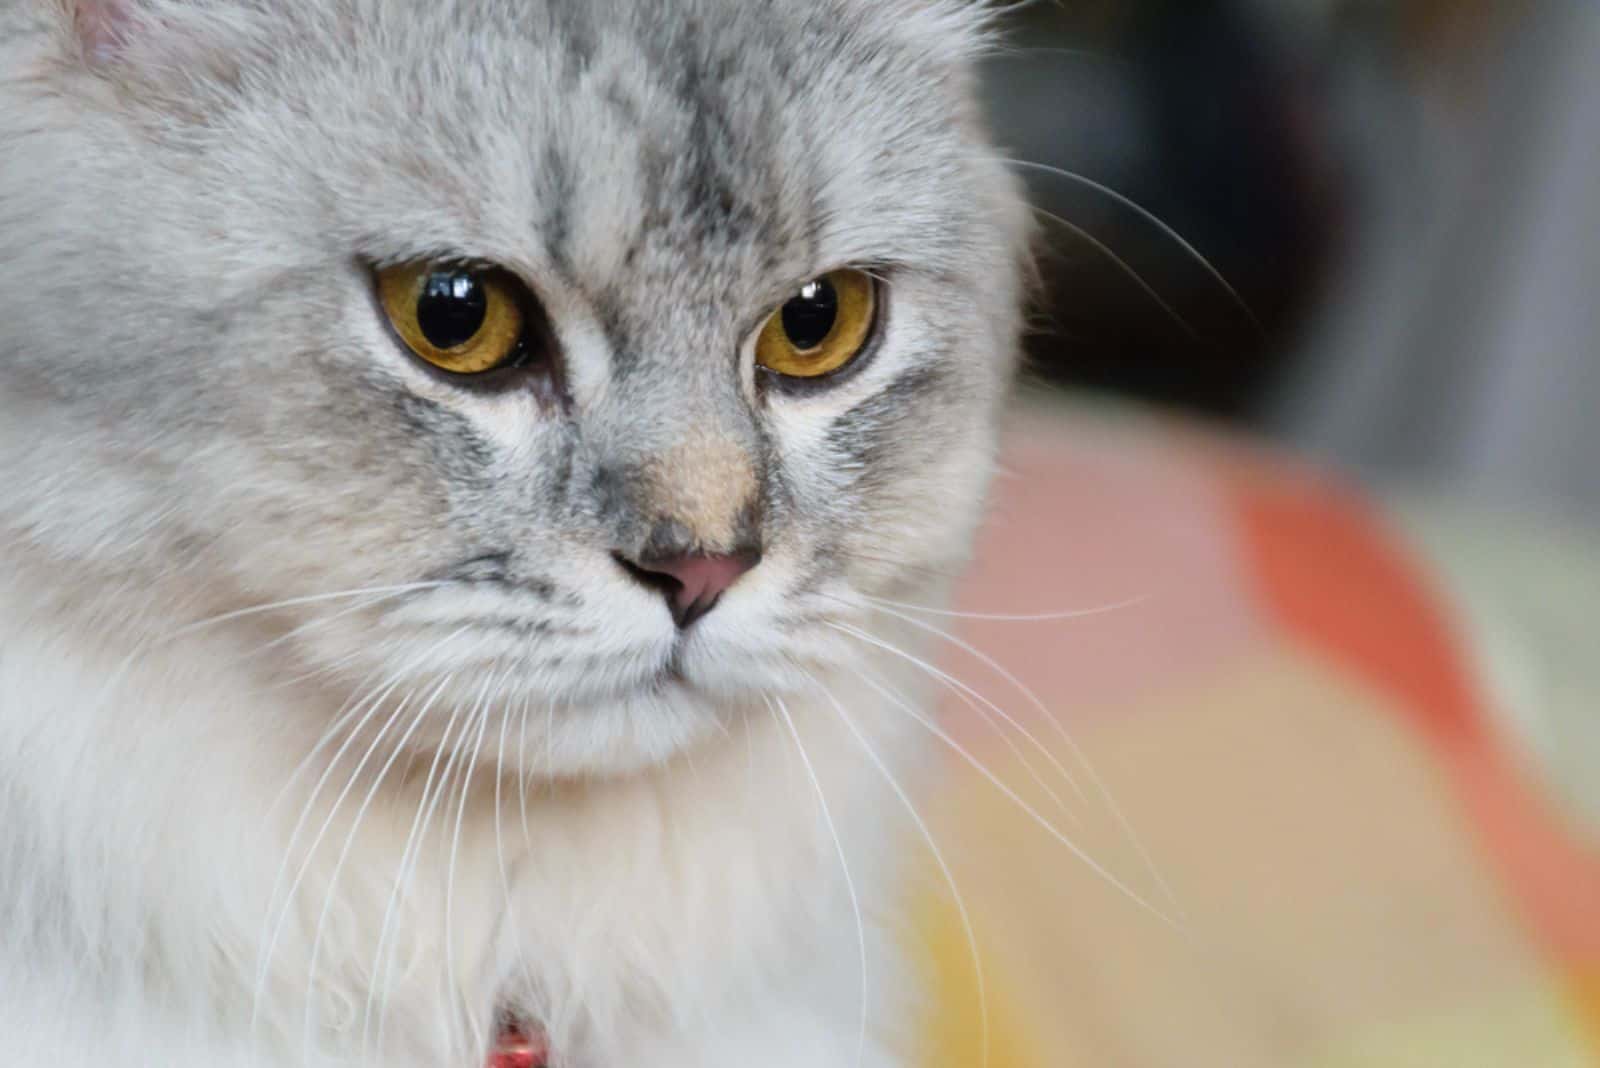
650	728
544	733
631	698
625	735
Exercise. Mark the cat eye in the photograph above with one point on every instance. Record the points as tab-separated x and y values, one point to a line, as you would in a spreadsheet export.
822	327
460	319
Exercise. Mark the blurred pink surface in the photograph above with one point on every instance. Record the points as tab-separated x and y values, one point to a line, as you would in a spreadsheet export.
1102	518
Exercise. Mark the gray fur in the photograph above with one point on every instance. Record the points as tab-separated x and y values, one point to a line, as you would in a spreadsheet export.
202	410
668	171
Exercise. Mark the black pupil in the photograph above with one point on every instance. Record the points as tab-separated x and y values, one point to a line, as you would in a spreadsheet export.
808	319
451	309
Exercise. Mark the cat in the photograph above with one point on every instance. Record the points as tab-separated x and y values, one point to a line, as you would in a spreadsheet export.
455	455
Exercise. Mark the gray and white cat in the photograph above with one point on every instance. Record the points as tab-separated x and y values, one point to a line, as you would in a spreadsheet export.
453	453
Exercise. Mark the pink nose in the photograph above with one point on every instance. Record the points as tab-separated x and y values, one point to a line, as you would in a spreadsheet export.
692	583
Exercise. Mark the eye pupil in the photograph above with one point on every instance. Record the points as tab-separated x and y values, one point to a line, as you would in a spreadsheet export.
809	318
451	308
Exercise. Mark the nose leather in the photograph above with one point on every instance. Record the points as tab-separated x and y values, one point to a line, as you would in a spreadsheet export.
693	583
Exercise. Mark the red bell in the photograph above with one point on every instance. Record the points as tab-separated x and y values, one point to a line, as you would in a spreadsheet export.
517	1048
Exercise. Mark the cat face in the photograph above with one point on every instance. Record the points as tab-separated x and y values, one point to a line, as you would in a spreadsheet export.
630	226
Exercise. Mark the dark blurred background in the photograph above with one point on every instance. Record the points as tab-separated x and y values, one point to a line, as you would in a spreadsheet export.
1369	229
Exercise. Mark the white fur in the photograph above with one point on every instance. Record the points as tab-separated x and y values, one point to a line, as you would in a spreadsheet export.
247	820
692	915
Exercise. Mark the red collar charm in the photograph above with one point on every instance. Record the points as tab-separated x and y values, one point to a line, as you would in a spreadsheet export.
518	1047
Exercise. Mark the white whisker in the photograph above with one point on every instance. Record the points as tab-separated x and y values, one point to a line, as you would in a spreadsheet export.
295	602
346	714
989	720
512	922
938	856
1049	828
1079	755
1124	266
549	740
143	647
522	767
400	746
959	687
469	769
992	617
426	805
309	1014
844	864
323	621
1152	218
371	704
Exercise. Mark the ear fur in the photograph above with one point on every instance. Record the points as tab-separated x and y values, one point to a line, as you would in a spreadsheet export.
102	27
168	48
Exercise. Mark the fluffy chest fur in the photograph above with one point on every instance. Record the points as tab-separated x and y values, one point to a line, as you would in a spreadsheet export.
234	902
463	463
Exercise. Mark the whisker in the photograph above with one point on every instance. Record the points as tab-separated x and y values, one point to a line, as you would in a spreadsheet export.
371	704
1152	218
427	803
500	847
955	684
1022	5
938	856
1032	617
323	621
400	746
1088	55
330	670
965	695
844	864
1124	266
114	679
470	767
333	879
1049	828
522	767
549	740
1079	755
951	574
1016	751
346	714
750	756
295	602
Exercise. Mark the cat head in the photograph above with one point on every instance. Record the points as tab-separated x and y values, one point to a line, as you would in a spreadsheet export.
618	349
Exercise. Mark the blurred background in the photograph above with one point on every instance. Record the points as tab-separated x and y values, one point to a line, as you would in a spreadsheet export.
1370	228
1335	723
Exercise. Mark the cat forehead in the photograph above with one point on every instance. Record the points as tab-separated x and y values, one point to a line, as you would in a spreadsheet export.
779	33
744	122
657	60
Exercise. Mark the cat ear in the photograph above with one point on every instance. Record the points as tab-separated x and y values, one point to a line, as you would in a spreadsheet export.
103	27
198	40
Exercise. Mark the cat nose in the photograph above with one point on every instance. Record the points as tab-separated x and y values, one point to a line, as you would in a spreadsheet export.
692	583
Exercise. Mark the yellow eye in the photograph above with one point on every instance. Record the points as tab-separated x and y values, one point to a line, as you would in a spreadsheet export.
459	319
822	327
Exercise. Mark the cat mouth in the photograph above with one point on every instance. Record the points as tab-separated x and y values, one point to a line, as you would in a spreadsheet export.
677	675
